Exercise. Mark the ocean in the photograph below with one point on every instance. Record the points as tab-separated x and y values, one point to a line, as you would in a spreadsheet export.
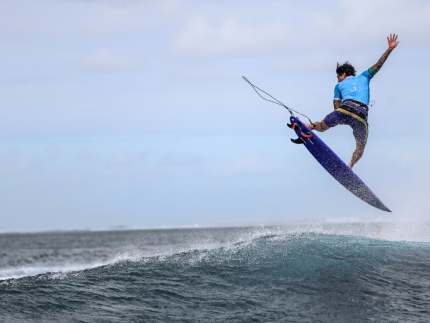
290	273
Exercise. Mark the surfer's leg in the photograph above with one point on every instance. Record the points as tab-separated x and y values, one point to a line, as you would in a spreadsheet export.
360	131
330	120
359	150
318	126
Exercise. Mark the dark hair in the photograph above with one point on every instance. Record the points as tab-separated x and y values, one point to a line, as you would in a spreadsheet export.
345	68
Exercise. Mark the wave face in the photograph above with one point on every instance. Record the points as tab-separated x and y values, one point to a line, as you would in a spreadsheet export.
213	275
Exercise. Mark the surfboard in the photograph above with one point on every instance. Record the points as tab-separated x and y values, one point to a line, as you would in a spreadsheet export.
335	166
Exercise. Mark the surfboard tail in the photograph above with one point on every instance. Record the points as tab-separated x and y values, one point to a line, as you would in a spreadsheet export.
334	165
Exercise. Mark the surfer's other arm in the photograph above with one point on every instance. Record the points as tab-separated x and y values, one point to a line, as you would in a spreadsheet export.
392	43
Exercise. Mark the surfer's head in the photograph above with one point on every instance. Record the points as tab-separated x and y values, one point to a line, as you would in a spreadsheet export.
344	70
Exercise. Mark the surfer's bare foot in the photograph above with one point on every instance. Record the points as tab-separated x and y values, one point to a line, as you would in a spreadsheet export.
350	165
309	125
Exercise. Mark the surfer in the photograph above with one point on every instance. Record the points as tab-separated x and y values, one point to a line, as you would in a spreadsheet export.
351	100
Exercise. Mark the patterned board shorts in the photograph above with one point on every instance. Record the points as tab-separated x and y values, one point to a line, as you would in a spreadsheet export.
357	120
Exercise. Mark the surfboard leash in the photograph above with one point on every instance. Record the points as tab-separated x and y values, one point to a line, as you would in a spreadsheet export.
277	101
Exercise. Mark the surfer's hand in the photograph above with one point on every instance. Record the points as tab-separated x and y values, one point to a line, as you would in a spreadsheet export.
392	41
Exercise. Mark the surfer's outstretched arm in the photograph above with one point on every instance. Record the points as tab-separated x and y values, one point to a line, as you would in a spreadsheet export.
392	43
359	150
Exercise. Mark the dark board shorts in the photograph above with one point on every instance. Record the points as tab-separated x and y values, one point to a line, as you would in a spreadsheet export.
355	117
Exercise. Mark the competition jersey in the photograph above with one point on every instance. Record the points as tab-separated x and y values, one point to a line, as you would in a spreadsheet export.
355	88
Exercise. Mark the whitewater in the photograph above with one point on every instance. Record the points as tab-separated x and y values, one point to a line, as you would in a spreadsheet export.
307	272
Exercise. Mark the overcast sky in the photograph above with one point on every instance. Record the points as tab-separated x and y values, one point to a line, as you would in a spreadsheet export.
135	113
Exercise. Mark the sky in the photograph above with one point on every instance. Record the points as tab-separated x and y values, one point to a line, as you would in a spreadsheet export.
134	113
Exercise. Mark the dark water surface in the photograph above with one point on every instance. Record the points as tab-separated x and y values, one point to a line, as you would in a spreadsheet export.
272	274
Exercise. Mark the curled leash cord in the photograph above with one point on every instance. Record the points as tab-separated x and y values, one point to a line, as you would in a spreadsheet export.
277	101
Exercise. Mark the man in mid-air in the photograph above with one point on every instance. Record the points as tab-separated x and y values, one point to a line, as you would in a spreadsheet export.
351	100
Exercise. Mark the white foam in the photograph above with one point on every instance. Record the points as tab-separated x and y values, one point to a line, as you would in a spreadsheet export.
24	271
417	232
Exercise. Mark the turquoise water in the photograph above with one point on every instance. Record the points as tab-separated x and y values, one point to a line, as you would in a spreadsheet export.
212	275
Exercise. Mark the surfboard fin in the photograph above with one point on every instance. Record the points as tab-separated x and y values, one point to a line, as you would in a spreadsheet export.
298	141
295	125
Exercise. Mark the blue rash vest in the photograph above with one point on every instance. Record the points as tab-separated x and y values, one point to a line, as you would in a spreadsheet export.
355	88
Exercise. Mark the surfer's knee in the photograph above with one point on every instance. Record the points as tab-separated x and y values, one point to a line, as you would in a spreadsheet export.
317	126
324	127
321	126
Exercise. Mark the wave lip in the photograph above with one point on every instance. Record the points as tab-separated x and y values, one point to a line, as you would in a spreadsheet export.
33	254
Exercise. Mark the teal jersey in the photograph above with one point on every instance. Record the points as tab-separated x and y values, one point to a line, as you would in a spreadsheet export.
354	88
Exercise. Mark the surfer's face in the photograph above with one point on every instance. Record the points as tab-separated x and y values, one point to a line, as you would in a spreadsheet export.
340	78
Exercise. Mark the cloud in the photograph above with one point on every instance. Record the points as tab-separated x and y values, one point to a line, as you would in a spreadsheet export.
15	162
250	165
111	19
130	166
122	158
84	156
26	17
346	28
103	61
305	62
370	21
200	39
203	75
170	6
182	160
